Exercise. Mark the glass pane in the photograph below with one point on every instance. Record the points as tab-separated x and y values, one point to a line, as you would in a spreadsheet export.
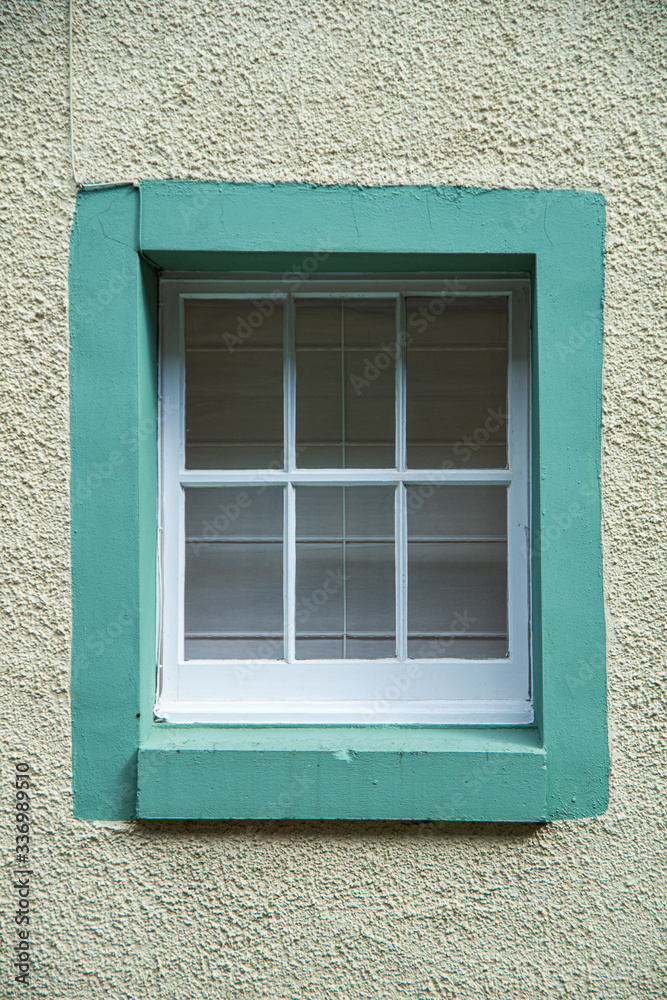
456	374
457	512
233	384
234	573
345	578
457	572
345	383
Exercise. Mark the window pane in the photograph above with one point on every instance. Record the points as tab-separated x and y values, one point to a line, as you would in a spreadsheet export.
456	372
457	572
345	589
345	383
233	384
234	573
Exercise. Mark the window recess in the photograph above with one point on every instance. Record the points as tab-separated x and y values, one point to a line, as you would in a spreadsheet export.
345	497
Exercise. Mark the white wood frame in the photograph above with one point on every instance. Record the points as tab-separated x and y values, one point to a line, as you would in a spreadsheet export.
391	691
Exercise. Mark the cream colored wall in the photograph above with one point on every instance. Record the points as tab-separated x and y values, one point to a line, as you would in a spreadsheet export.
499	93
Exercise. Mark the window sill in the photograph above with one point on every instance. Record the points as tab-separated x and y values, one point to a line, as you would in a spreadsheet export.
516	712
316	772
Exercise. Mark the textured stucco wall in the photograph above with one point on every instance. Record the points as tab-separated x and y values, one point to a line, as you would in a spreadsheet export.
485	93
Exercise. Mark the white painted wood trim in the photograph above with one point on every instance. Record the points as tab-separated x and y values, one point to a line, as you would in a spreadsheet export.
347	477
373	713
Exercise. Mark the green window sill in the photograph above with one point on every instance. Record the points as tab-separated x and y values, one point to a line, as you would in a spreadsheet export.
381	772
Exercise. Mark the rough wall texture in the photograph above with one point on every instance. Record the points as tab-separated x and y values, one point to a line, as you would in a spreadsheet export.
496	93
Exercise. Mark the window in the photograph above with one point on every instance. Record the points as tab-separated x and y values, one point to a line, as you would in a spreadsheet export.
393	246
345	500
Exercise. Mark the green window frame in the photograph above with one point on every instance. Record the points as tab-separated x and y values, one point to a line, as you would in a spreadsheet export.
125	763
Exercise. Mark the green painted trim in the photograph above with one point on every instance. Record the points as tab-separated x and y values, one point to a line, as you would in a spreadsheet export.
147	452
558	236
289	264
343	773
390	739
113	496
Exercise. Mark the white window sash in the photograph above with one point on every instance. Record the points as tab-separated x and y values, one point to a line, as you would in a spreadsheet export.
398	690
